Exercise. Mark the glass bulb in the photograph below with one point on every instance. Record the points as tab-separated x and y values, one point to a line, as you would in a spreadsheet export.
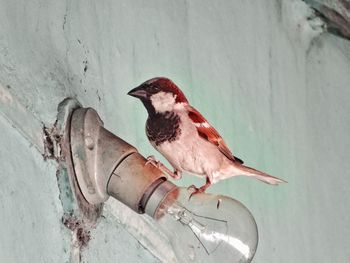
207	228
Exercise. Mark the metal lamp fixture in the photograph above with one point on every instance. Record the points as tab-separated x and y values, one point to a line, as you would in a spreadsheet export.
204	228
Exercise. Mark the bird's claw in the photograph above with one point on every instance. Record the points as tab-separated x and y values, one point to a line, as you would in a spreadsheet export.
192	188
152	160
177	175
195	190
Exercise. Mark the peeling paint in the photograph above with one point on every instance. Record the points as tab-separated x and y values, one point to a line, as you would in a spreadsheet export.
79	229
52	143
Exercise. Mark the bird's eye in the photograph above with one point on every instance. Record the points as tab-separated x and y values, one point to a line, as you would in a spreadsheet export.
154	89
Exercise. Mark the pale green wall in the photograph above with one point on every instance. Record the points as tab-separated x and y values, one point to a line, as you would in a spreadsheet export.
30	228
276	89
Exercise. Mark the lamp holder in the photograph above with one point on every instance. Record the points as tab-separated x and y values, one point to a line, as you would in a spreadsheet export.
105	165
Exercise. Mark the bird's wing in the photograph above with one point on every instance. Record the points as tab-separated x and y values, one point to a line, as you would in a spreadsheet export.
207	132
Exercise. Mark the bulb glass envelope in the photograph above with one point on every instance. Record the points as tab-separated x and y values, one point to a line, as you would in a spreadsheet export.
208	228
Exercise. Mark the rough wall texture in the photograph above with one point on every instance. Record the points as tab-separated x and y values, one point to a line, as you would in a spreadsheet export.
30	227
262	72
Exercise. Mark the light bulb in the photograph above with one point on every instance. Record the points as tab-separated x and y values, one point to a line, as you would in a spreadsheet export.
205	227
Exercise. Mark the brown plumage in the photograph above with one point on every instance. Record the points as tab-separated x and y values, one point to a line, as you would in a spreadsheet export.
185	137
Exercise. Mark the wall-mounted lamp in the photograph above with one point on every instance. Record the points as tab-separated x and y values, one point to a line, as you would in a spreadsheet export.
204	228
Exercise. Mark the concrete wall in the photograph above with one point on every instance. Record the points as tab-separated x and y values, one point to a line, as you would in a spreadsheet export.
264	73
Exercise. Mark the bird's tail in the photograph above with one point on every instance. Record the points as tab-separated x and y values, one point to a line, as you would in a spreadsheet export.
240	169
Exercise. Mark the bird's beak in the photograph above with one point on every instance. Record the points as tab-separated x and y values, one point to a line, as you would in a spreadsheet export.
138	92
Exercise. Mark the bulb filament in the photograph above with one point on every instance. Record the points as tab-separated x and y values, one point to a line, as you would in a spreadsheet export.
200	230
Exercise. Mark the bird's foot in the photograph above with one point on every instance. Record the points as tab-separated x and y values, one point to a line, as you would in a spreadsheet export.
152	160
177	175
196	190
199	190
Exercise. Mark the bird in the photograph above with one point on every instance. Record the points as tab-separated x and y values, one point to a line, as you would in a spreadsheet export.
186	139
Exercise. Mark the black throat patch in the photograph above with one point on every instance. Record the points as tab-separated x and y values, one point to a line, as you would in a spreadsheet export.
162	127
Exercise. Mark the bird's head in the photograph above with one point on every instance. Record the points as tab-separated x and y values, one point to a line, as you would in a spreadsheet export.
159	95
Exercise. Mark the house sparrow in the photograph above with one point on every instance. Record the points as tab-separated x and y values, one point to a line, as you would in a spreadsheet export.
186	139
